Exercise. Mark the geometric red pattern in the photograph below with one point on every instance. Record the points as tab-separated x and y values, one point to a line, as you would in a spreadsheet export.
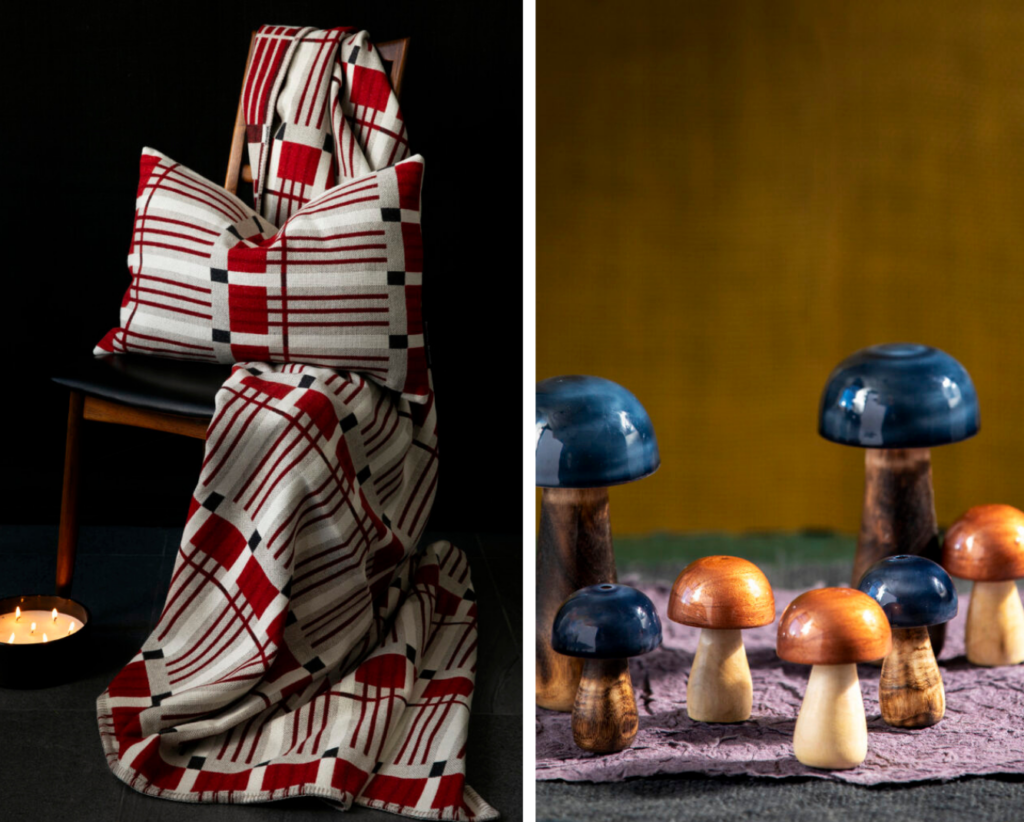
338	285
305	646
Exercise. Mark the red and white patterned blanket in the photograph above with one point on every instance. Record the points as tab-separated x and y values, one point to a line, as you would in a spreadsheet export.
306	647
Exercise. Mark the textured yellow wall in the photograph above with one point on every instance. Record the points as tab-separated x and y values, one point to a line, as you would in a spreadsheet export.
733	196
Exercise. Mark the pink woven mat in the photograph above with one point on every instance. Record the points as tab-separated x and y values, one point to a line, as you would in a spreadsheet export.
982	732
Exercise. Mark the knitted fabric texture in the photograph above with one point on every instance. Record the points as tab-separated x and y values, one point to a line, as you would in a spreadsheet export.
306	646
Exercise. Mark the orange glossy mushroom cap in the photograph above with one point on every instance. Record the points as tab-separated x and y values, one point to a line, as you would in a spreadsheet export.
833	626
722	592
986	544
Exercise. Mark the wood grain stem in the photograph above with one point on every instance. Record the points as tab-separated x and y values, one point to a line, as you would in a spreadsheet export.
604	717
899	513
831	730
574	550
910	691
995	625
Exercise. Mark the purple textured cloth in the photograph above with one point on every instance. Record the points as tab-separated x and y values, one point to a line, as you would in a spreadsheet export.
982	732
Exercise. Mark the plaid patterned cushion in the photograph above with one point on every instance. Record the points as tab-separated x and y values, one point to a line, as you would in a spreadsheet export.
338	285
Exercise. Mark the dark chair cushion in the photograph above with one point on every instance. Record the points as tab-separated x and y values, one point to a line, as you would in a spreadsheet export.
172	386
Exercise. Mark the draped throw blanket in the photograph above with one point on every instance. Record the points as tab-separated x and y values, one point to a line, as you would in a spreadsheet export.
306	646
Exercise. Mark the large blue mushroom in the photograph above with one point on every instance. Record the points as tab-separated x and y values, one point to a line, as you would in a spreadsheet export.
915	593
898	401
591	434
604	625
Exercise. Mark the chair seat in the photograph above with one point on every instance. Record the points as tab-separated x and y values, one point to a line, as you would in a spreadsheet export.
171	386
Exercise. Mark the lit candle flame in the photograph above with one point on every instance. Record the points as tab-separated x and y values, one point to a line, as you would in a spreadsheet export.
71	627
54	614
45	639
32	630
11	640
17	612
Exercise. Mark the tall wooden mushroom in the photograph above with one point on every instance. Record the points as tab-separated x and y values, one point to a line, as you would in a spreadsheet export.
604	625
986	545
832	629
898	401
915	593
721	596
591	434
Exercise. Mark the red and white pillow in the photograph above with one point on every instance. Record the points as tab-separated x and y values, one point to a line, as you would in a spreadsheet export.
338	285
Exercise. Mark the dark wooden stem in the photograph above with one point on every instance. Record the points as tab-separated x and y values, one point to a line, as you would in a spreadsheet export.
604	718
574	550
910	691
899	513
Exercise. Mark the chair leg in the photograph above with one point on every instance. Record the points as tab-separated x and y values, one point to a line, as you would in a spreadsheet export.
67	538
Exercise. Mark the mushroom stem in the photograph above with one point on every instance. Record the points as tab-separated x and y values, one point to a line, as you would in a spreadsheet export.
831	729
995	624
910	690
719	688
899	513
574	551
604	718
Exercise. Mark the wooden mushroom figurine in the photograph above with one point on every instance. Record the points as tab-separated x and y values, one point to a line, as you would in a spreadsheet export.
986	545
721	596
591	434
898	401
604	625
832	629
915	593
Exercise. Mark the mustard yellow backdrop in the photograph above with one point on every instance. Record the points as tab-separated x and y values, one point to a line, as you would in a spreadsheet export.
733	196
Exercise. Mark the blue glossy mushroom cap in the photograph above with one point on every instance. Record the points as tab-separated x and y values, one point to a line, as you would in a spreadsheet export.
913	591
591	433
606	622
901	395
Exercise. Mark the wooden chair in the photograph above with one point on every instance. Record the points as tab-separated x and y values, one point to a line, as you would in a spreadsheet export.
147	392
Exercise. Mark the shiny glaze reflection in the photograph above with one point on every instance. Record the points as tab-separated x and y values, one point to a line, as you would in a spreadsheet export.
986	544
591	433
900	395
913	591
722	592
833	626
606	621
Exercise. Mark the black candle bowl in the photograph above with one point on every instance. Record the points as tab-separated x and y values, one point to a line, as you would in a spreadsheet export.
44	664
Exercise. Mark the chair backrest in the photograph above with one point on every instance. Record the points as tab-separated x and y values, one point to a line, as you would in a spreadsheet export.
393	53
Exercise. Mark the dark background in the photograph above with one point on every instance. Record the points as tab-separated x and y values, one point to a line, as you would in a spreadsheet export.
84	95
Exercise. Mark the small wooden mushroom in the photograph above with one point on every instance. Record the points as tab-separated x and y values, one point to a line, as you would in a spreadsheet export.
832	629
915	593
721	596
604	625
898	401
986	545
591	434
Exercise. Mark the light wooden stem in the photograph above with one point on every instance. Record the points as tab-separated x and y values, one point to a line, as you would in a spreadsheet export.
719	688
831	729
574	550
910	691
995	625
604	718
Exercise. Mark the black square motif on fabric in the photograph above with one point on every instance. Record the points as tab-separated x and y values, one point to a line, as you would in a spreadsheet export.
307	380
364	474
398	341
314	665
221	336
158	698
437	769
157	654
255	540
396	278
218	275
349	423
212	501
196	762
391	215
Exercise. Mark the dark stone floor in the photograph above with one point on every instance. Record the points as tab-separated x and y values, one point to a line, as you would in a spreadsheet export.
122	577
